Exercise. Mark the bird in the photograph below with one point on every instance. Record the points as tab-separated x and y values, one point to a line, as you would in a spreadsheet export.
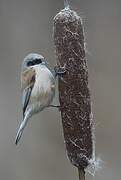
38	88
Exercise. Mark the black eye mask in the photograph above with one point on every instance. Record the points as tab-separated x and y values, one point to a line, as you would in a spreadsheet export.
34	62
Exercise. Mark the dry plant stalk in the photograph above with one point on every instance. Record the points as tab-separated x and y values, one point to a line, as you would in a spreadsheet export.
74	95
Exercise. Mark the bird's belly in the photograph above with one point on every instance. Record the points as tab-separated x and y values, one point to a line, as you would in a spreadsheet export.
42	96
43	90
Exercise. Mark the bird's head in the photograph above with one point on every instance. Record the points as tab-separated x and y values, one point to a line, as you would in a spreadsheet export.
33	59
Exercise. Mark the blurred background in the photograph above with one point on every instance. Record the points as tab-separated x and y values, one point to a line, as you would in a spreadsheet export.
26	26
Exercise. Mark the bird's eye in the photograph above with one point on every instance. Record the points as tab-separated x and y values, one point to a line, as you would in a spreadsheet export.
29	63
34	62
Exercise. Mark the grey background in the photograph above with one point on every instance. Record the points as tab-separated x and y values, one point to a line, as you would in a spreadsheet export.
26	26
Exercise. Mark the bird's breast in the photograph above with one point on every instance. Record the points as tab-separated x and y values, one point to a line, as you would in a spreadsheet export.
44	88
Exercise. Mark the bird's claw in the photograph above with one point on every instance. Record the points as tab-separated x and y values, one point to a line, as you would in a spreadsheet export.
59	70
55	106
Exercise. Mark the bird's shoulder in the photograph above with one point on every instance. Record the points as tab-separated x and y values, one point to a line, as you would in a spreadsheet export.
28	78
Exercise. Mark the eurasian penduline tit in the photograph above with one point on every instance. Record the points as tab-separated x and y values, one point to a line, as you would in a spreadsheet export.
38	88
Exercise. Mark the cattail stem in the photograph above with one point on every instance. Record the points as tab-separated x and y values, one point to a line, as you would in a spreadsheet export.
81	173
66	3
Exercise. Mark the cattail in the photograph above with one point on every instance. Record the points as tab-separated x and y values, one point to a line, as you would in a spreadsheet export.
74	94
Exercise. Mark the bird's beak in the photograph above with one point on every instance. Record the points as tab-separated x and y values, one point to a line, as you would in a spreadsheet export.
46	62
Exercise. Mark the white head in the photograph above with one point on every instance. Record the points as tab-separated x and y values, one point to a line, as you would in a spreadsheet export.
32	60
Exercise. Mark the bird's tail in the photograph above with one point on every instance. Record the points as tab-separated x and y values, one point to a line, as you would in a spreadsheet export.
19	133
21	128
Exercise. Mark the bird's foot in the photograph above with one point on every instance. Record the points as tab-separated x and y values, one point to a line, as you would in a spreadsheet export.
55	106
59	70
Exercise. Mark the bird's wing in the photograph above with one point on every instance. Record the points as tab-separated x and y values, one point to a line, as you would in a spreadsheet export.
27	83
